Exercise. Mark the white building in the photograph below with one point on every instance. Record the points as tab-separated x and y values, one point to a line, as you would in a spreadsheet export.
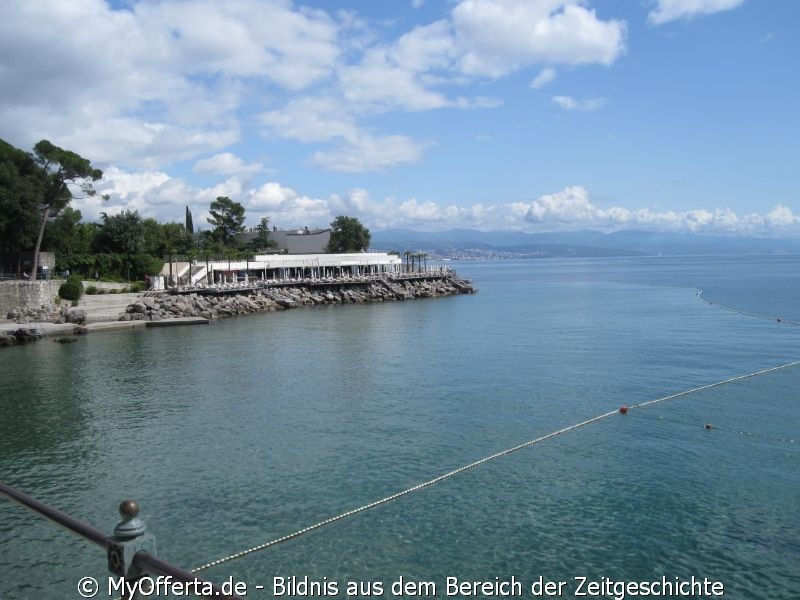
270	267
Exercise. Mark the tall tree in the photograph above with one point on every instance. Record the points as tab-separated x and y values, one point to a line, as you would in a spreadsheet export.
189	223
227	217
348	235
20	190
63	172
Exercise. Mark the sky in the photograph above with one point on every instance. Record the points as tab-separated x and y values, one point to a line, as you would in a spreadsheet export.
525	115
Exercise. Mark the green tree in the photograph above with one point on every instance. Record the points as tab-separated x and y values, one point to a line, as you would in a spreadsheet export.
21	187
75	252
59	236
122	233
62	172
348	235
227	217
163	239
189	222
263	240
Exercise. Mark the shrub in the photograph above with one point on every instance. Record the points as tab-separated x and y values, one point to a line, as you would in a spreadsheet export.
91	290
137	286
71	289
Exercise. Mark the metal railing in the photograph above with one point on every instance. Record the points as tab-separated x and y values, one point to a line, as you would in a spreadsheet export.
130	550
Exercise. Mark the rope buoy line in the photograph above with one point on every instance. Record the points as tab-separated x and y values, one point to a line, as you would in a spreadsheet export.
715	427
745	313
472	465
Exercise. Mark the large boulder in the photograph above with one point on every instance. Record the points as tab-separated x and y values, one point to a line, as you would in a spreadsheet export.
76	315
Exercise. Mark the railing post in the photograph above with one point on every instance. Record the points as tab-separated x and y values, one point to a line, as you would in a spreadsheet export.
130	536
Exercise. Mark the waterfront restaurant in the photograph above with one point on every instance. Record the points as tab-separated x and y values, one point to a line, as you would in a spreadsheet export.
282	267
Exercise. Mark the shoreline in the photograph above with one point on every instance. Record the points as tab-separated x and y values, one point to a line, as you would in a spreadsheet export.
201	305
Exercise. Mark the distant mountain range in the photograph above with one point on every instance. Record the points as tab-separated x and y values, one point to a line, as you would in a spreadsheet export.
469	243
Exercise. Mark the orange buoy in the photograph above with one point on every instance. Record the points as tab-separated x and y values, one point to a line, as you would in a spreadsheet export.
623	410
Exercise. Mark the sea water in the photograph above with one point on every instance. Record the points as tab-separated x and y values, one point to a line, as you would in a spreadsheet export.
234	434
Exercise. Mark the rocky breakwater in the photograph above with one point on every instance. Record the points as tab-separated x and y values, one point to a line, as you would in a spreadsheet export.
226	302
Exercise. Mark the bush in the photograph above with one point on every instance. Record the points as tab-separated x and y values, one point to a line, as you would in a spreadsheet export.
91	290
71	289
137	286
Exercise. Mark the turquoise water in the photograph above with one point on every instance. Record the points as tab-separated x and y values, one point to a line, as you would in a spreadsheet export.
240	432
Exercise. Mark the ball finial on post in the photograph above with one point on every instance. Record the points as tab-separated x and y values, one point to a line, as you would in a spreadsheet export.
131	525
128	509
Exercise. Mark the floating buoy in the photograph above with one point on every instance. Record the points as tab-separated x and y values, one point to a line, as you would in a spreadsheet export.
708	426
623	410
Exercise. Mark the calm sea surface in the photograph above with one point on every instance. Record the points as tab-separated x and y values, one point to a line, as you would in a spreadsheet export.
251	428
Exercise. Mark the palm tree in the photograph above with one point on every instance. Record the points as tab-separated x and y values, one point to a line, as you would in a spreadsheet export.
407	254
419	256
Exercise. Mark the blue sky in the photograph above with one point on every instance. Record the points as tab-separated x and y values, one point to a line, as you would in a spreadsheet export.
530	115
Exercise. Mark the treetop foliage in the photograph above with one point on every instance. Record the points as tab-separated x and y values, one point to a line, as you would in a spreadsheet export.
348	235
227	217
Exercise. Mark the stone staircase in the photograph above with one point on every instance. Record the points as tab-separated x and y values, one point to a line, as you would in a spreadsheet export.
105	307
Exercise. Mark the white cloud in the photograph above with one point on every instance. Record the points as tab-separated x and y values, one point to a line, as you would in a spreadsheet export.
781	217
311	119
569	103
572	208
151	193
156	194
544	77
354	149
149	84
155	83
285	207
502	36
370	153
267	39
671	10
395	76
225	163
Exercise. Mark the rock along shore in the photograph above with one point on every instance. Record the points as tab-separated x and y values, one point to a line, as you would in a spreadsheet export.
227	301
202	304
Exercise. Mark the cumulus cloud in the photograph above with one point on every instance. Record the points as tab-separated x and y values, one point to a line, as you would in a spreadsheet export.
672	10
502	36
186	75
570	103
180	70
572	208
156	194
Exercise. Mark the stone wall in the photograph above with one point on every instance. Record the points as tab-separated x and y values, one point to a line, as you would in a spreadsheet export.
27	294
